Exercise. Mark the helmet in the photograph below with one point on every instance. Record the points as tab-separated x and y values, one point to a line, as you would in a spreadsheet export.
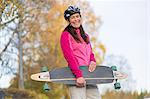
70	11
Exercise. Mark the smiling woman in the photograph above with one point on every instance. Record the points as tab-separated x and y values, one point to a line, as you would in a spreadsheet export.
77	51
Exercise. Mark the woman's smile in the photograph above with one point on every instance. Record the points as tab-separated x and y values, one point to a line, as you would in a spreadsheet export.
75	20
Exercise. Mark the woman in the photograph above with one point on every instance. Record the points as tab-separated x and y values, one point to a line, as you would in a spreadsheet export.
77	51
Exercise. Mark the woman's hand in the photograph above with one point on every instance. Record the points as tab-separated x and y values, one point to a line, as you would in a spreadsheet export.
80	82
92	66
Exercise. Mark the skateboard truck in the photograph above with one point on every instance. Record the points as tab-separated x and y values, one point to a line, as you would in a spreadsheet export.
44	69
114	68
117	84
46	88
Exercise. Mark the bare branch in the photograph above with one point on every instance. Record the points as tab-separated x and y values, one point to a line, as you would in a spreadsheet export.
4	24
7	45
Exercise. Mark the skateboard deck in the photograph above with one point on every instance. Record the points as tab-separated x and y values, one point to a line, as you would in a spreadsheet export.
101	75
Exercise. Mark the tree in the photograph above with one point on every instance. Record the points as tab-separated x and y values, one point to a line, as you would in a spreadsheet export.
40	29
10	14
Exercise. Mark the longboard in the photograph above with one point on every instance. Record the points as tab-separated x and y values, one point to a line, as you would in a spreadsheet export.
101	75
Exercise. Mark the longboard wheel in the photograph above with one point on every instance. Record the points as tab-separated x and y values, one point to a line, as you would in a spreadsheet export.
46	88
44	69
114	68
117	85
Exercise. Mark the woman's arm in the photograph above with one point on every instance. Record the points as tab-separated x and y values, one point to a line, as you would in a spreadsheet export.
68	54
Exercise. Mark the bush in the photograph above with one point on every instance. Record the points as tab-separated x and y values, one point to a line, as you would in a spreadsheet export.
23	94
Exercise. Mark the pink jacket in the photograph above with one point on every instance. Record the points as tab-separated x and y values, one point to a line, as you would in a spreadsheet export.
76	54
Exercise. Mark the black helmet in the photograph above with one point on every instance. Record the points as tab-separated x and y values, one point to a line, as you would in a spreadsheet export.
70	11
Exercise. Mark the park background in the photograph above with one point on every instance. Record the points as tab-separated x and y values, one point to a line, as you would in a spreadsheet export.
29	39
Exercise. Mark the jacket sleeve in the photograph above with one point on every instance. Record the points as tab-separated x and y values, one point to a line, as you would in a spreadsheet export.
92	57
68	54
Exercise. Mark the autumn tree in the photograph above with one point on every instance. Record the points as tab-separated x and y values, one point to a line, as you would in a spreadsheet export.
40	23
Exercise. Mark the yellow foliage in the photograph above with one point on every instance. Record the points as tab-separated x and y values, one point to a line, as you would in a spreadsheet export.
102	47
44	30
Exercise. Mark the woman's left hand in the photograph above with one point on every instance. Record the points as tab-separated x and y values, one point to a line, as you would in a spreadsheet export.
92	66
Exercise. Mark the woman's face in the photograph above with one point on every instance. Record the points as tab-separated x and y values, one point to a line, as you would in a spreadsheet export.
75	20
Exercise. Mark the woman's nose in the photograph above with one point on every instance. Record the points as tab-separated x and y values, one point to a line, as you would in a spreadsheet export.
76	18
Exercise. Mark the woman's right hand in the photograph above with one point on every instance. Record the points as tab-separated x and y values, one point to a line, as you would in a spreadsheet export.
80	82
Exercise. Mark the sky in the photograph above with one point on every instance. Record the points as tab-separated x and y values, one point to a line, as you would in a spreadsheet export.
125	31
